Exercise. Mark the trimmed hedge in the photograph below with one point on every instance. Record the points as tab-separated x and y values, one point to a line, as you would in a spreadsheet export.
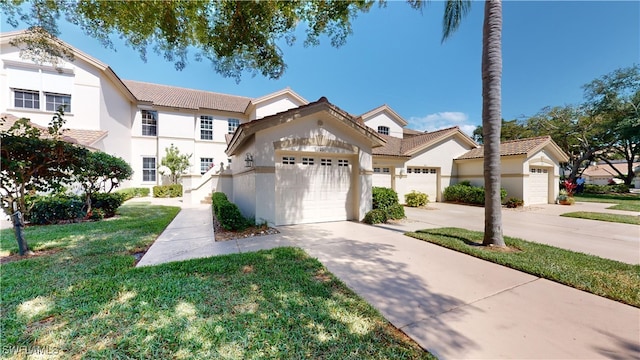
605	189
55	208
131	193
228	213
396	212
467	194
375	216
167	191
416	199
107	203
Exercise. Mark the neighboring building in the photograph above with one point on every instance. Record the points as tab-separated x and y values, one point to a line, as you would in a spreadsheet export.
280	158
601	173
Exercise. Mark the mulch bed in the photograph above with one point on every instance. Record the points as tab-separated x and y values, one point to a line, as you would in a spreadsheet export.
253	231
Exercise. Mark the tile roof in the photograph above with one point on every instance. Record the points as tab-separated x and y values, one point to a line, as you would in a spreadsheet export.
410	132
606	170
183	98
404	147
75	136
515	147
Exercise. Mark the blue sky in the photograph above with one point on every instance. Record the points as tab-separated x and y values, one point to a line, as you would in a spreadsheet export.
394	57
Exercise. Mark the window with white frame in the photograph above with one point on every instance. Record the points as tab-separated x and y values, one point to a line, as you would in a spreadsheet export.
325	162
206	127
27	99
307	161
288	160
205	165
386	170
149	123
432	171
409	170
149	169
232	125
55	101
343	162
384	130
376	170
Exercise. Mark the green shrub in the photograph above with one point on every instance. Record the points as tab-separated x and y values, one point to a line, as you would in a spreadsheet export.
467	194
383	197
514	203
465	183
375	216
167	191
56	208
107	202
230	217
620	188
396	212
131	193
228	213
416	199
605	189
96	214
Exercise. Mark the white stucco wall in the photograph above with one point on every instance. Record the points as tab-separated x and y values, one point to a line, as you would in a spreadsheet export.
274	105
384	119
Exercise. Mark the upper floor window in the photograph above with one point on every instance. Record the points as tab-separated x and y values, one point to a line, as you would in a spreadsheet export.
233	125
27	99
149	123
55	101
206	127
384	130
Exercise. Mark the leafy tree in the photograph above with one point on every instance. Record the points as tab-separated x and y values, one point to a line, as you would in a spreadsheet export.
100	171
32	161
510	130
234	35
176	162
615	99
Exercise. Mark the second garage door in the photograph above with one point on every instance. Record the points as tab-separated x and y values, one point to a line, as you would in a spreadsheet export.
313	188
422	179
538	186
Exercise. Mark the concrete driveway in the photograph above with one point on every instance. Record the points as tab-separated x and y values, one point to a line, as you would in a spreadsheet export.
542	224
457	306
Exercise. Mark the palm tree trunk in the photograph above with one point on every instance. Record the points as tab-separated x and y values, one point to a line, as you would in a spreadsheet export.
491	120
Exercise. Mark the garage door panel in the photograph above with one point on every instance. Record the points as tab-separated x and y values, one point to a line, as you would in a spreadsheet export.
538	186
313	193
426	182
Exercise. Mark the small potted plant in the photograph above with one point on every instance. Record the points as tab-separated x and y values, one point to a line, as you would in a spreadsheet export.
564	198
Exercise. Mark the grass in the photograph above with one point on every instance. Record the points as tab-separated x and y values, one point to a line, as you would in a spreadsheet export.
628	202
86	300
611	279
624	219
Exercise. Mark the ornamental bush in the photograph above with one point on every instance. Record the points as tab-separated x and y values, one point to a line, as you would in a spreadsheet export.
131	193
467	194
375	216
514	202
416	199
108	203
167	191
383	198
395	212
228	213
55	208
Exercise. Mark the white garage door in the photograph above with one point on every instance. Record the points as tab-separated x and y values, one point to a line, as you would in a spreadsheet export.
422	179
381	177
538	186
313	189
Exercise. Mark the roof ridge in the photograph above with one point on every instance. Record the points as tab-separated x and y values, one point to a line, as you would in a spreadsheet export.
185	88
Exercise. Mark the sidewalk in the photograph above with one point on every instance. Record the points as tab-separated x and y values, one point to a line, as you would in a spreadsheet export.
454	305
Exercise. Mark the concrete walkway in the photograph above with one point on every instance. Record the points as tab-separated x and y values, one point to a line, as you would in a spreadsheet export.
454	305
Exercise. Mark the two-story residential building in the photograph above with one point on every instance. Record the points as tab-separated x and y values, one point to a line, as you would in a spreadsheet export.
281	158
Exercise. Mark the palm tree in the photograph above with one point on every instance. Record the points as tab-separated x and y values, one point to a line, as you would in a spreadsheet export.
455	10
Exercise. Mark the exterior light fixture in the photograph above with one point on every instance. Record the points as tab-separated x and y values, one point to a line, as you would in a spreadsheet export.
248	160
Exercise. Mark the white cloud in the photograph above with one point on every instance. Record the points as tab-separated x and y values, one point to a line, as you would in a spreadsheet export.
442	120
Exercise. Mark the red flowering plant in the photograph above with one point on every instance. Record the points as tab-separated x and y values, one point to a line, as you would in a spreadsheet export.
569	187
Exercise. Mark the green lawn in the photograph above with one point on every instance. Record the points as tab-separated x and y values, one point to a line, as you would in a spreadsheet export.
628	202
86	300
624	219
612	279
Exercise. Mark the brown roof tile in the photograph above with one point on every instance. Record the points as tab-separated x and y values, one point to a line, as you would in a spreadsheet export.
515	147
404	147
176	97
76	136
606	170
